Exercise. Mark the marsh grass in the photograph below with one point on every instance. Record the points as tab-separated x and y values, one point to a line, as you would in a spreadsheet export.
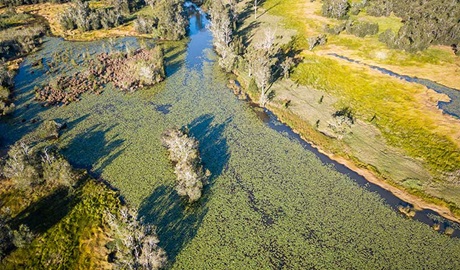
270	203
400	116
82	227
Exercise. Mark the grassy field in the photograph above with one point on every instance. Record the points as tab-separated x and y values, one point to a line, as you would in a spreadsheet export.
438	63
400	135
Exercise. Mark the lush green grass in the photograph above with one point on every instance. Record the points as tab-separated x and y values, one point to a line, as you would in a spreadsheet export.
401	118
75	241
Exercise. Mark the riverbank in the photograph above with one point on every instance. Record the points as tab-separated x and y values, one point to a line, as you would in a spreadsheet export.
52	12
382	156
270	202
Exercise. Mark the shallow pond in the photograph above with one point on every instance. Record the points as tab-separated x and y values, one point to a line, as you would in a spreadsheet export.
272	201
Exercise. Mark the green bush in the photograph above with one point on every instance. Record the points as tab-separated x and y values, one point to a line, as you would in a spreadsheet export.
362	29
337	9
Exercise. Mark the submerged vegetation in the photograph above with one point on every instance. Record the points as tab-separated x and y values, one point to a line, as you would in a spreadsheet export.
268	203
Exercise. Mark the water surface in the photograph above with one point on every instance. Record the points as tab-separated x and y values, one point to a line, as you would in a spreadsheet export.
272	202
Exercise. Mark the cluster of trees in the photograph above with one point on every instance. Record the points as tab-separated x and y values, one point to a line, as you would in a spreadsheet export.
6	83
424	22
136	244
19	34
28	167
168	20
28	2
222	26
263	59
183	151
80	16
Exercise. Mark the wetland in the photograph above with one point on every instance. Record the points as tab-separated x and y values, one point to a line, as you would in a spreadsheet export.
272	200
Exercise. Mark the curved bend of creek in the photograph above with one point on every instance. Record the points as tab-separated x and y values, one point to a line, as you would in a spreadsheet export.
452	107
163	106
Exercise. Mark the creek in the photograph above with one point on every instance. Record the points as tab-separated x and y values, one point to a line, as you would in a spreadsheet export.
272	201
451	107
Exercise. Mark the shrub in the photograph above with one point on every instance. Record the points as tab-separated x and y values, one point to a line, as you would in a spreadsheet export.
335	30
337	9
316	41
379	8
145	25
23	236
362	29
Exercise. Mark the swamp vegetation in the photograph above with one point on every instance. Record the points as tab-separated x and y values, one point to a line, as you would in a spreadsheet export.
268	202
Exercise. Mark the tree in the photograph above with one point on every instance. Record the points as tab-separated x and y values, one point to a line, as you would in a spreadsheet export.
21	166
286	66
261	58
221	29
183	151
256	3
172	23
136	244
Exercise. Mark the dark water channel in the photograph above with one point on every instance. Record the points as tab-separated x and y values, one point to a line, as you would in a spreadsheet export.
200	42
426	216
452	107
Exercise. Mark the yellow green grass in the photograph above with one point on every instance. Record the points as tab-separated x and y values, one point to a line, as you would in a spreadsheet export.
403	120
74	242
438	63
405	114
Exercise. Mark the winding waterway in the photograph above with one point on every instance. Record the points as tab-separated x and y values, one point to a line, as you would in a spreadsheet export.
452	107
272	202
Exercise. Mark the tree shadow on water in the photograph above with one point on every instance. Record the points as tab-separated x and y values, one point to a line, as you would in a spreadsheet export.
94	148
213	145
178	221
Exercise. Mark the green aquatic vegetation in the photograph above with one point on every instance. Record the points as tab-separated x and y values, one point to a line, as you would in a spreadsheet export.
269	202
